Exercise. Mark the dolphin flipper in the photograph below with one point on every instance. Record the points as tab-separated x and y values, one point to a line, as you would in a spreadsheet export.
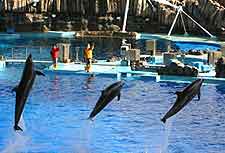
39	73
16	128
163	120
15	89
179	94
118	97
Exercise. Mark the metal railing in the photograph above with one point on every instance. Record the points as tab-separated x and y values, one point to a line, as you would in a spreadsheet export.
76	53
39	53
22	52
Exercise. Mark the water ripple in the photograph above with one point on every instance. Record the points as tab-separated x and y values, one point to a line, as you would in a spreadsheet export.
57	109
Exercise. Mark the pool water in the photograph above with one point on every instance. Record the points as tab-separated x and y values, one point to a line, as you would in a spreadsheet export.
55	117
186	46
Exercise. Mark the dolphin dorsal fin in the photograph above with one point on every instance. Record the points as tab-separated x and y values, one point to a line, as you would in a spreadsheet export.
179	93
103	91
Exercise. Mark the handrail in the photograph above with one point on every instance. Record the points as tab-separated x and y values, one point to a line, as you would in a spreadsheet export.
39	53
23	61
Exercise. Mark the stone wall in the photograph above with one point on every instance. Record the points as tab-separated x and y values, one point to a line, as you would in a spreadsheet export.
222	2
142	17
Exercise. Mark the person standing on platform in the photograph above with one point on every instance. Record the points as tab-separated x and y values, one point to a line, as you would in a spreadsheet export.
85	52
55	54
88	55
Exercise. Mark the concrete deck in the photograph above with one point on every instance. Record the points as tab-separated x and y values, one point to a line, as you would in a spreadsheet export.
106	68
115	70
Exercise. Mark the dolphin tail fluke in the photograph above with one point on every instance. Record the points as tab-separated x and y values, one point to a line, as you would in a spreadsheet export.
39	73
163	120
16	128
118	97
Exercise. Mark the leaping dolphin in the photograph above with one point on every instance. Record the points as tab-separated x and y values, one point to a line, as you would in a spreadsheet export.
184	97
107	96
23	89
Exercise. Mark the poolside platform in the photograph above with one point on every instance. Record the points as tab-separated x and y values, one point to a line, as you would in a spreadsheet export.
62	34
100	68
184	79
107	34
115	70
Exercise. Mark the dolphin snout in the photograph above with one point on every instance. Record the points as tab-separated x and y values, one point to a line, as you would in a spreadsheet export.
29	58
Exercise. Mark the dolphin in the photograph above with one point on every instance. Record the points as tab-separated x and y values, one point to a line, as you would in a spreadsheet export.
108	94
184	97
23	89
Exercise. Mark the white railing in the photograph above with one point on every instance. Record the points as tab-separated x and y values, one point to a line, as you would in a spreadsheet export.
39	53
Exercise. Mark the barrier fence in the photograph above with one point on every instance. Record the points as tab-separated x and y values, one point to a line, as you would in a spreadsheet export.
39	53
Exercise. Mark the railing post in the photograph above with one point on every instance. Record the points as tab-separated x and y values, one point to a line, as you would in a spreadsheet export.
40	49
12	52
26	51
77	54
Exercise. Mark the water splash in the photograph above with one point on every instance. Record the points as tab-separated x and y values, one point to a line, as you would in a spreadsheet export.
22	123
168	127
18	141
85	136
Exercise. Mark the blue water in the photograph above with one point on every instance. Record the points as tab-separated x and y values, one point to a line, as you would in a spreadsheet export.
181	45
55	115
186	46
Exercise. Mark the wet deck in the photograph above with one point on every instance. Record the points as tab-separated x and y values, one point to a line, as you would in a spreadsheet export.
106	68
113	69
